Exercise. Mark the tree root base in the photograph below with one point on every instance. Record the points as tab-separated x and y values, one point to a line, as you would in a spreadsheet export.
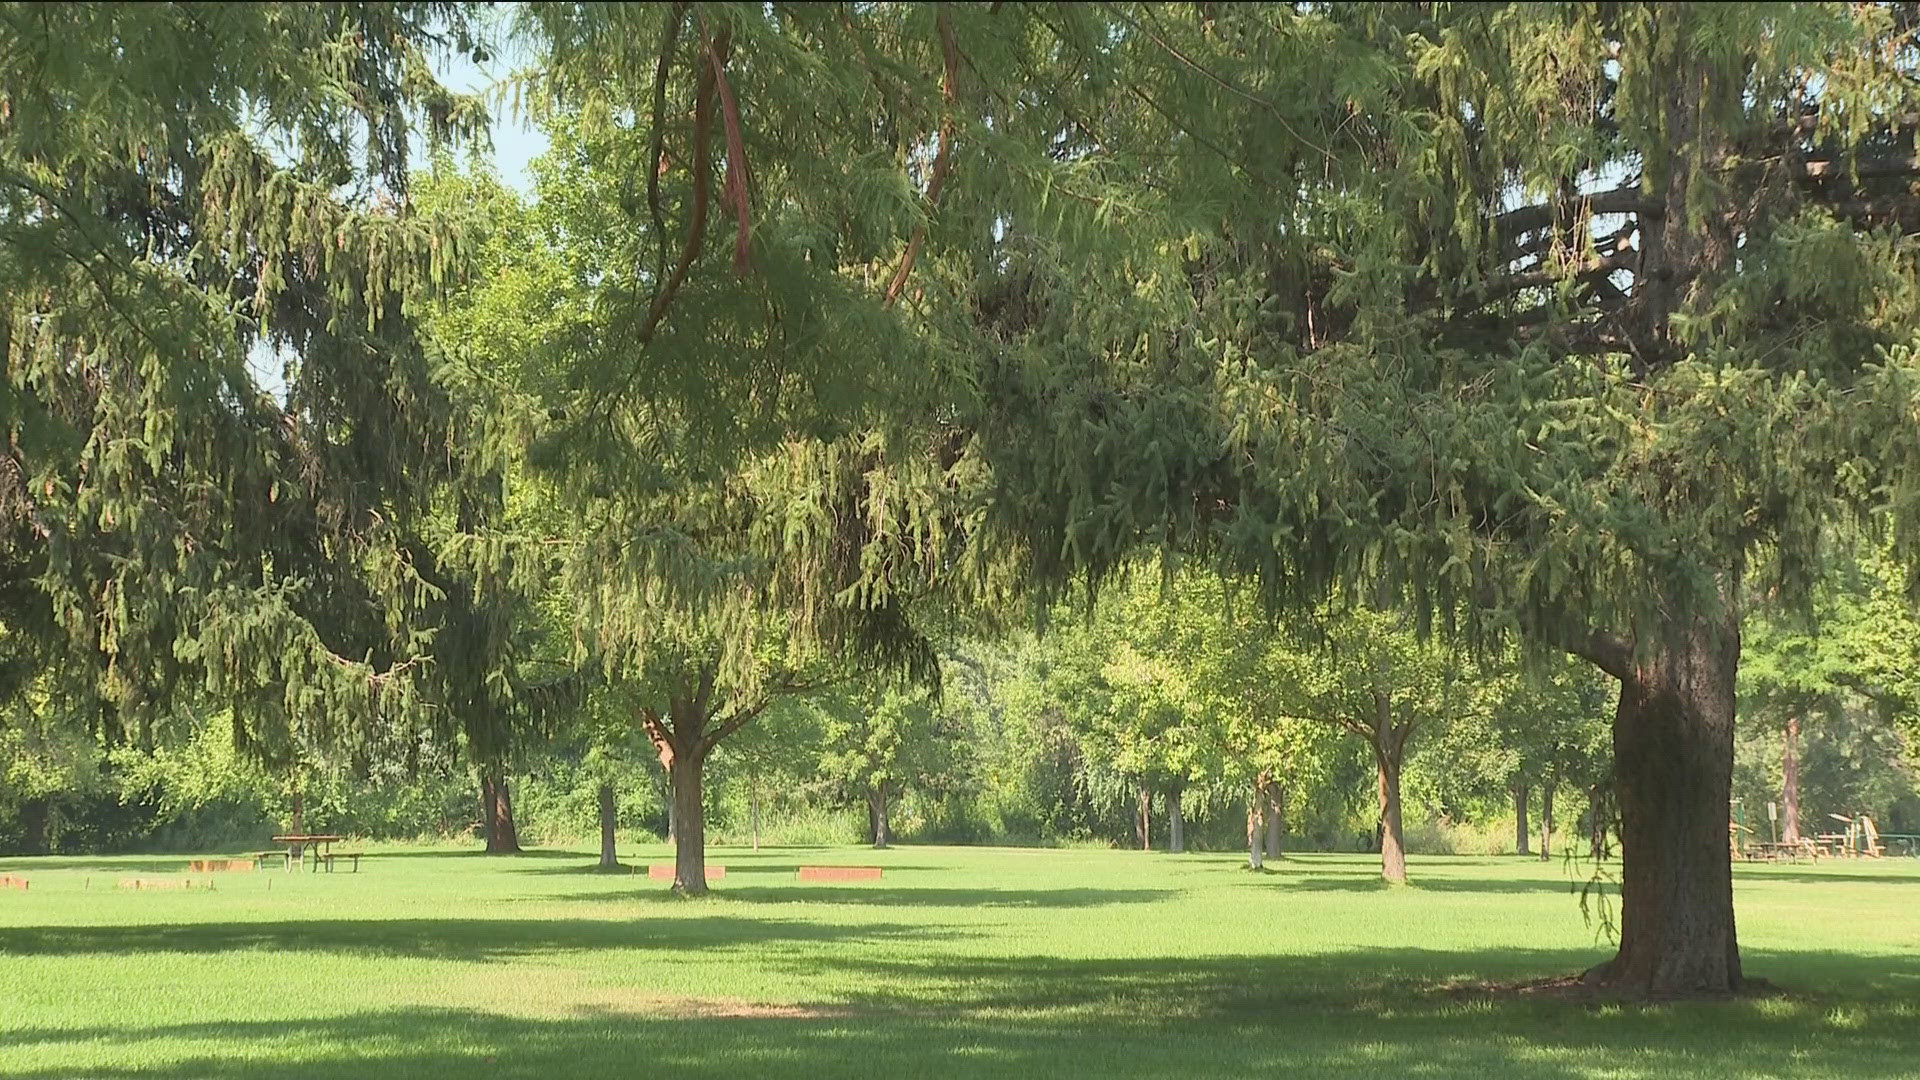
1586	988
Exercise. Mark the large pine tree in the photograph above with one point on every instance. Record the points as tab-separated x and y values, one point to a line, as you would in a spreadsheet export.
192	196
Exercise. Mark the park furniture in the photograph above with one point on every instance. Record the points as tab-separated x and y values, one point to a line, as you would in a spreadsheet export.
297	843
839	873
262	858
328	858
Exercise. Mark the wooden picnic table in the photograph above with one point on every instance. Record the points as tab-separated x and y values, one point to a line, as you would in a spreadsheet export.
297	843
1779	849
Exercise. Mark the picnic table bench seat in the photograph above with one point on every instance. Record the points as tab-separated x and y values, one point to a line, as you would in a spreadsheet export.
260	857
352	856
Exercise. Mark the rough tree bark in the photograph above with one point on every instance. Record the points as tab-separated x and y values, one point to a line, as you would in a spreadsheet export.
1790	782
1673	754
690	823
609	821
1522	838
1276	817
503	838
1176	822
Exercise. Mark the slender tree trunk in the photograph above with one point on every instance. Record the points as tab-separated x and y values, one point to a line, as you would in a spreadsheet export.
1256	823
1276	817
1176	823
753	797
1393	847
689	824
503	838
1143	821
1521	839
673	812
1546	819
299	810
1597	821
609	821
877	807
1790	781
1673	754
35	820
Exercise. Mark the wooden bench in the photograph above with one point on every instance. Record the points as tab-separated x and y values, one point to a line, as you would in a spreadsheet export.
664	872
839	873
328	858
260	857
8	881
208	866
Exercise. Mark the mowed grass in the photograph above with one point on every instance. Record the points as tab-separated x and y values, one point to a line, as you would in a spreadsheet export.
959	962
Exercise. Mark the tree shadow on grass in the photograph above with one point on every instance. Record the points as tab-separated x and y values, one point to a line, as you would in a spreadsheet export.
734	869
1316	879
448	939
883	895
1352	1014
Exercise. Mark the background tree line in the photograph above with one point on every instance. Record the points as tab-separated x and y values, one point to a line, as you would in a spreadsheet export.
1416	349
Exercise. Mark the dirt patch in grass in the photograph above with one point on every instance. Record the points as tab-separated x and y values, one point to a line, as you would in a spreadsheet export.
538	991
707	1008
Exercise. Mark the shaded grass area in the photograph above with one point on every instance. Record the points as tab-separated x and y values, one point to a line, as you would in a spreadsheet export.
960	962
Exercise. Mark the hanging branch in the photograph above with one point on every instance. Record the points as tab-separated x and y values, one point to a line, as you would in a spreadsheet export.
736	187
942	158
702	183
676	16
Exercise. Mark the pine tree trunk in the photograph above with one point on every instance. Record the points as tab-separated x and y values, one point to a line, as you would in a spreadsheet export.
689	825
1143	821
1673	753
878	802
1546	819
1790	781
503	838
1521	840
1393	848
299	811
609	821
1276	817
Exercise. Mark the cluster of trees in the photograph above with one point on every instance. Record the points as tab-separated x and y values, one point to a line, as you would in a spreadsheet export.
1449	339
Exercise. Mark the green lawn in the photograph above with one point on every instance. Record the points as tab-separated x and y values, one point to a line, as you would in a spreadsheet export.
961	962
